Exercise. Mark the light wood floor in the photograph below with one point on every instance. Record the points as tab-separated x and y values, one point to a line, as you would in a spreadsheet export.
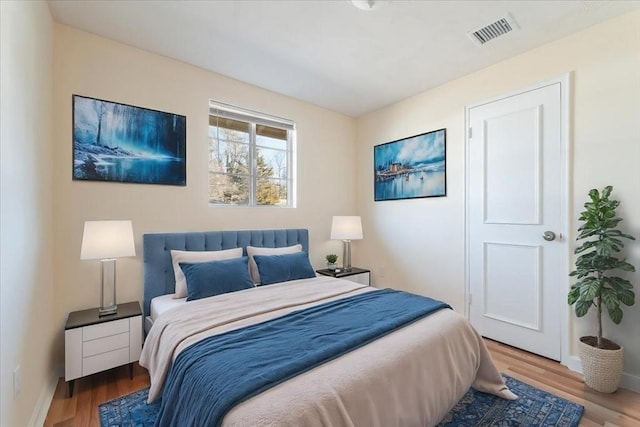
621	408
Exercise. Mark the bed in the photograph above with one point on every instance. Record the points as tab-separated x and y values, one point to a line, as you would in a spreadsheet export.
410	375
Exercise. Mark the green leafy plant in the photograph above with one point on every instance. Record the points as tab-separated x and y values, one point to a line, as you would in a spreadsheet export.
331	258
595	285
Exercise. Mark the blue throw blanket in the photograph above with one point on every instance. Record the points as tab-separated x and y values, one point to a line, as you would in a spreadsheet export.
210	377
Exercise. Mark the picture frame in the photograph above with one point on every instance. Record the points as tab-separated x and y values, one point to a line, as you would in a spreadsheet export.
411	168
117	142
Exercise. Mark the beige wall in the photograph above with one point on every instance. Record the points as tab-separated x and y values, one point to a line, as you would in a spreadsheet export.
26	237
92	66
419	244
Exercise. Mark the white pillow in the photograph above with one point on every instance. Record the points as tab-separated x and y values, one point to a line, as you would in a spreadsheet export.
194	257
254	250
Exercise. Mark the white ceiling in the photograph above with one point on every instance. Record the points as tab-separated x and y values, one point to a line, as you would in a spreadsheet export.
328	52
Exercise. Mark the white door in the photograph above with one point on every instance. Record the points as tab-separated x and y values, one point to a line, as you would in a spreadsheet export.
515	200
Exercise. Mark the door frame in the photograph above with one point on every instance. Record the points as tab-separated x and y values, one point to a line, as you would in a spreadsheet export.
565	82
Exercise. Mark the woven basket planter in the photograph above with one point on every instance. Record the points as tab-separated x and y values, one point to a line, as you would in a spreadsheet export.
602	368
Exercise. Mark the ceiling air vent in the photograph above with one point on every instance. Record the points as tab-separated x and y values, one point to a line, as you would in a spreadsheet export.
499	28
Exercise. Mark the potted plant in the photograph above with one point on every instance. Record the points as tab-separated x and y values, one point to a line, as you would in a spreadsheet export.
331	261
598	287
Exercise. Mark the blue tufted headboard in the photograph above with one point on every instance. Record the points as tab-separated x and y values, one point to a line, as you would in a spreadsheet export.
158	270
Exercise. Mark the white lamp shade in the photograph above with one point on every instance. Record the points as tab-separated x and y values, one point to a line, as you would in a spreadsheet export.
107	239
346	228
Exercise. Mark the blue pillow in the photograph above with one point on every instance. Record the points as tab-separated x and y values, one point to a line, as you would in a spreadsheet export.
206	279
282	268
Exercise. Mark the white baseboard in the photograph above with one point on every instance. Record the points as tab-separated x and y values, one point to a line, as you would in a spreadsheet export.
573	363
39	413
628	381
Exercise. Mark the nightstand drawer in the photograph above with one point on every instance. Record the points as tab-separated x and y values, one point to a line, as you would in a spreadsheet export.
104	361
362	278
106	344
105	329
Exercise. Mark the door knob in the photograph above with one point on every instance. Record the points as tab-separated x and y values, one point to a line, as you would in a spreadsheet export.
549	236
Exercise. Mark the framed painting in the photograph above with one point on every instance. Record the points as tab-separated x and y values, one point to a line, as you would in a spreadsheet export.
412	167
122	143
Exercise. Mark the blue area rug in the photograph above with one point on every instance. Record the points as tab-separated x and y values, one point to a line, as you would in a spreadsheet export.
534	407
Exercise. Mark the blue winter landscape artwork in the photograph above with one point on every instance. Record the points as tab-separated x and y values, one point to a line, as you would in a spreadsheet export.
123	143
412	167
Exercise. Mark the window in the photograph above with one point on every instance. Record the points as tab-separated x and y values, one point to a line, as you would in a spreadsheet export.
251	158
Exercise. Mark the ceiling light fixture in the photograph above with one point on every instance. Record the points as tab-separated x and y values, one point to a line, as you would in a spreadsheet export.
367	4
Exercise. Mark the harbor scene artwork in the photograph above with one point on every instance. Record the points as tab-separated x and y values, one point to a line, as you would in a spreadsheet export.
412	167
122	143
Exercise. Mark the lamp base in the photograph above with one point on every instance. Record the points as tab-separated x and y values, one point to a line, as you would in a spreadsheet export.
346	255
108	304
107	311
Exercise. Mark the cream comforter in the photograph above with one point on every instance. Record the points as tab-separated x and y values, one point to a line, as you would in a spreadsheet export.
411	377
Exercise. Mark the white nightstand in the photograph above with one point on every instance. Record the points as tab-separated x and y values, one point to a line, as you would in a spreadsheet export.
94	344
358	275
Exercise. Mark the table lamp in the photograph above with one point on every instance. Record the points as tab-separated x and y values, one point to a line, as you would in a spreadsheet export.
346	228
106	241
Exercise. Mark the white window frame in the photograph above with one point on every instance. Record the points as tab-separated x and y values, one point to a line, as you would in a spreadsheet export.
254	118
